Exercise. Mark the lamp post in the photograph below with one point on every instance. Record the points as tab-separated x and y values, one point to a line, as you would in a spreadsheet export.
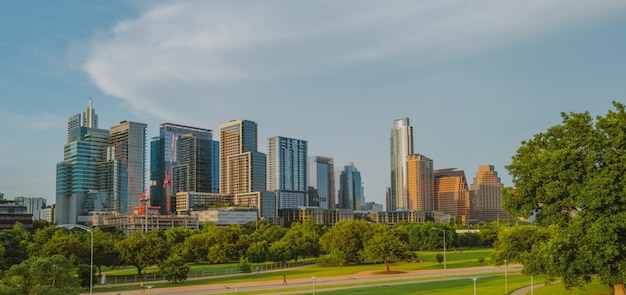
474	285
444	249
90	230
506	281
313	277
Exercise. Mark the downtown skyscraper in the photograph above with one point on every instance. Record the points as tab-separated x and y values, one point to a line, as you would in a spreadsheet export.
287	171
321	182
351	195
77	175
420	182
242	167
486	195
182	158
401	146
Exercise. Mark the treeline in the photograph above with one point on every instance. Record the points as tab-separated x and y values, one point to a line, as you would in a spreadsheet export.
351	241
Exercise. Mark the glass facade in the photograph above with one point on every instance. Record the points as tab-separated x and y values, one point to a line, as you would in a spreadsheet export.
351	189
321	182
401	146
287	171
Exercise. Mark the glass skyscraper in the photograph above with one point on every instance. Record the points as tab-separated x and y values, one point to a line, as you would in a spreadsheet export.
287	171
187	155
351	189
321	182
401	146
128	154
77	174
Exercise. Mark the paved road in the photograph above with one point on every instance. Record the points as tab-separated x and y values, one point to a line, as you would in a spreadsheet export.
368	277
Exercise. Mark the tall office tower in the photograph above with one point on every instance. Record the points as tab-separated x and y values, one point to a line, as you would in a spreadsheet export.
421	182
167	153
77	174
388	200
350	188
452	192
33	205
242	168
128	154
321	182
287	171
486	195
401	147
215	166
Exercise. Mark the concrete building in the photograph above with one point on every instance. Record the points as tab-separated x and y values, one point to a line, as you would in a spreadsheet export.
33	205
130	223
265	203
452	193
11	212
287	171
48	213
327	217
321	182
410	216
486	195
401	148
227	215
188	202
420	182
242	167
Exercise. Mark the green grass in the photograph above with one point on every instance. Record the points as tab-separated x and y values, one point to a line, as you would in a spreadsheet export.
594	288
468	258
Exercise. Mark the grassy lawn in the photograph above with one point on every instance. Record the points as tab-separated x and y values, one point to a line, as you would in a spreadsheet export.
484	286
594	288
468	258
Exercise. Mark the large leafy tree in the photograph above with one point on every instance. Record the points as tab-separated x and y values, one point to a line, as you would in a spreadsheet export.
13	246
141	250
305	238
347	236
386	245
573	176
41	275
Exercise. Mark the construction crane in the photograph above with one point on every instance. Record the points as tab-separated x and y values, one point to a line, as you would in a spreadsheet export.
167	181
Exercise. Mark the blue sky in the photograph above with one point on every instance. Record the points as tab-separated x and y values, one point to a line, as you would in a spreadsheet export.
474	77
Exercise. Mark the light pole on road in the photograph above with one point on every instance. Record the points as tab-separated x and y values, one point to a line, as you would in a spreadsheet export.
474	285
506	281
313	277
444	249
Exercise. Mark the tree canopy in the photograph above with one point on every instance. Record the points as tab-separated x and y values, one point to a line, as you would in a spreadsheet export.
573	177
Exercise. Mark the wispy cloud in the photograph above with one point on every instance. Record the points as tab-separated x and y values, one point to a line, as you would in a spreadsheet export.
35	122
187	50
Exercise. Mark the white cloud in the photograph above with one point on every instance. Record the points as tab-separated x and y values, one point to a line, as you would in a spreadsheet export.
186	51
34	122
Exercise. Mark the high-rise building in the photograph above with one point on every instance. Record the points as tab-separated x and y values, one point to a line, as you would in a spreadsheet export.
350	188
321	182
452	192
128	153
486	195
401	147
183	156
242	168
77	174
287	171
420	182
33	205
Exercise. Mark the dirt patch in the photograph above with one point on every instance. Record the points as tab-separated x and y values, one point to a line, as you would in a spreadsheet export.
378	272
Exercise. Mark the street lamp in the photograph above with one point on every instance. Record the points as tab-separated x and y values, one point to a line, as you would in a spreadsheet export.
313	277
474	285
506	281
90	230
444	249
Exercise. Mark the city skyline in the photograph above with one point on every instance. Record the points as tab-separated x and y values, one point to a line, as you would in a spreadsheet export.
475	79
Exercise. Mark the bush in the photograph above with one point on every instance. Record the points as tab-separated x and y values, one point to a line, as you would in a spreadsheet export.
439	257
481	260
244	265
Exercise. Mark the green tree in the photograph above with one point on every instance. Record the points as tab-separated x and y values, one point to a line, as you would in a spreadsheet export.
244	265
104	249
13	243
304	237
439	258
281	251
572	177
257	252
142	251
347	236
41	276
196	246
386	245
175	269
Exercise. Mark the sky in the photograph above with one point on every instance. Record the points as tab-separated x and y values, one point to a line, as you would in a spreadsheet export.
475	78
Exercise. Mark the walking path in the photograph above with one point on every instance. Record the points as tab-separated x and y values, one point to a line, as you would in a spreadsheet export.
277	284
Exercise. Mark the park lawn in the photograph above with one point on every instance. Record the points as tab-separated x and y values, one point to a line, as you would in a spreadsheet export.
593	288
468	258
484	286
